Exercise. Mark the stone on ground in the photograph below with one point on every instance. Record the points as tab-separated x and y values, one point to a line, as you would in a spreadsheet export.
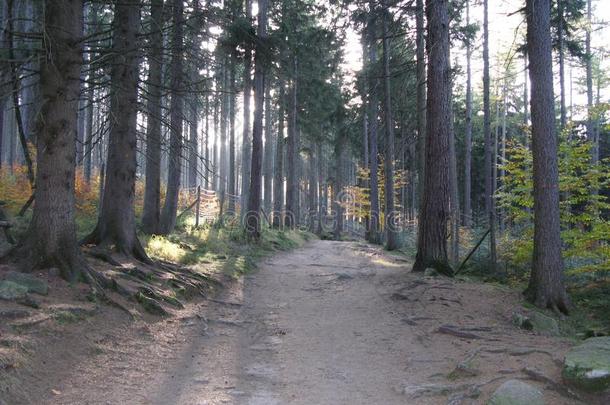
32	283
587	366
12	291
537	322
515	392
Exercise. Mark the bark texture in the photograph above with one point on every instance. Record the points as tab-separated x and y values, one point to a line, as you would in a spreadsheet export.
51	237
432	235
293	159
373	107
253	218
152	188
467	219
391	216
116	226
170	207
546	286
278	169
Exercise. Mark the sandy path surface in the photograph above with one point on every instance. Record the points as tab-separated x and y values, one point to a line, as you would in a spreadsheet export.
329	323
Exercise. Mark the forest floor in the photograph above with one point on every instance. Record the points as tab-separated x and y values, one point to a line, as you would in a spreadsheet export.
327	323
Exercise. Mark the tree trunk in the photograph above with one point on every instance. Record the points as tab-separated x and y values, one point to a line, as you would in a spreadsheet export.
321	188
2	105
546	286
152	188
170	207
338	184
246	147
278	170
193	155
292	178
526	119
432	241
312	191
562	84
391	216
421	97
373	106
486	111
51	236
231	187
116	226
253	226
591	132
489	152
467	221
268	159
454	200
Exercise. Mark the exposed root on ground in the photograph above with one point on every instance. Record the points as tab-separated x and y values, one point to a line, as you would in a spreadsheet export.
154	286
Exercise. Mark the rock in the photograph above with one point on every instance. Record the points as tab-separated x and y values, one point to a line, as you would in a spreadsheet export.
587	366
33	284
12	291
544	323
430	272
537	322
515	392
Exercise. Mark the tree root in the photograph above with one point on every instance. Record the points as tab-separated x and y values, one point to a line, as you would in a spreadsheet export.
536	375
153	287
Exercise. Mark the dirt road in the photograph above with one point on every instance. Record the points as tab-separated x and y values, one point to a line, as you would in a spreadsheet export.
329	323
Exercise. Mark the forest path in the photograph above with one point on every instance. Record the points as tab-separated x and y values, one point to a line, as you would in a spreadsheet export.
329	323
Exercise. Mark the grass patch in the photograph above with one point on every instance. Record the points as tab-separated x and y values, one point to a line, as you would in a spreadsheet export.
223	247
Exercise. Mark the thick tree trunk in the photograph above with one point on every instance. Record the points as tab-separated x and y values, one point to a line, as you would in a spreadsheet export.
152	189
467	220
253	225
170	207
116	226
51	237
373	107
391	216
432	235
278	169
546	287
